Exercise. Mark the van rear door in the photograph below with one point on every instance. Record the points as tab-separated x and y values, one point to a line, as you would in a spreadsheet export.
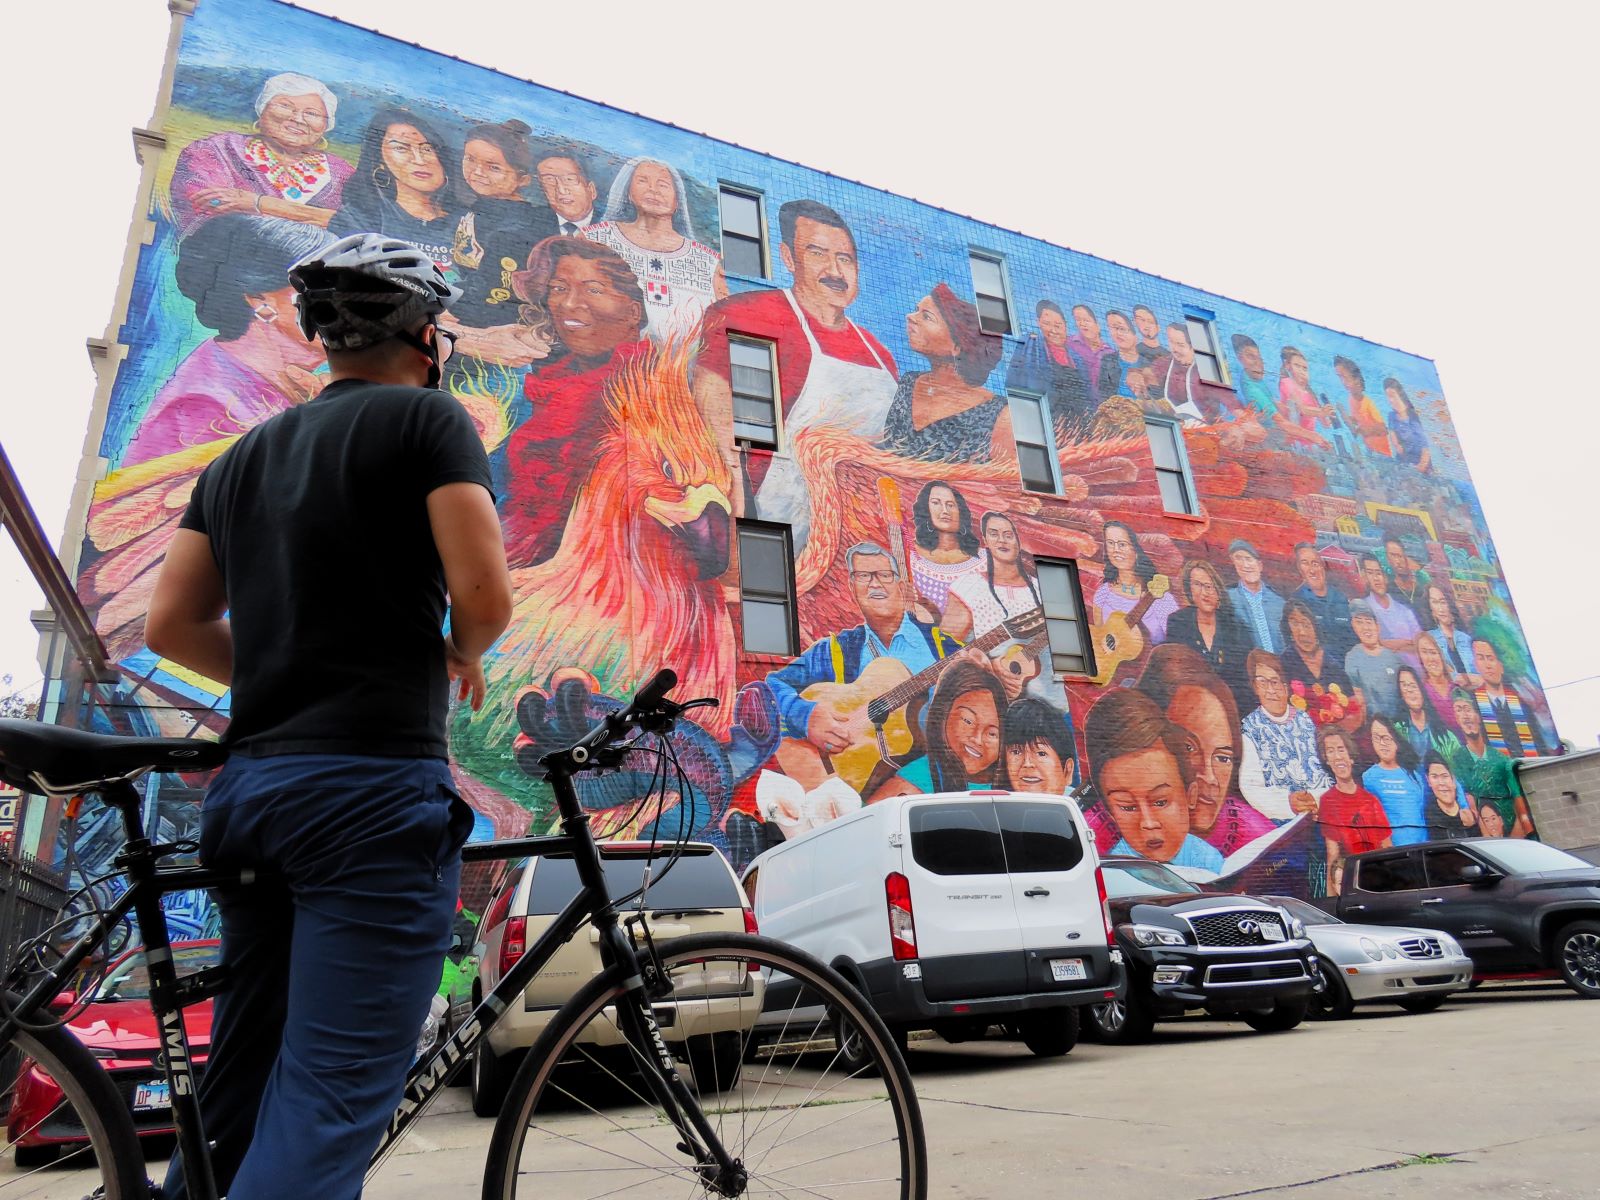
1052	881
968	938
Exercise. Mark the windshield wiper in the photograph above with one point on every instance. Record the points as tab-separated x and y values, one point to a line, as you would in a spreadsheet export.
684	912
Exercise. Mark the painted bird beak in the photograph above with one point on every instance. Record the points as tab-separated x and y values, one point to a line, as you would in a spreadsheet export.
702	520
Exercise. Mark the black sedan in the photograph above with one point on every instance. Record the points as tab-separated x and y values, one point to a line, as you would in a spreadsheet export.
1186	949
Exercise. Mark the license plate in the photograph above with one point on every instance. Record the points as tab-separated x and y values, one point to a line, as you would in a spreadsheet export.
150	1096
1271	931
1065	970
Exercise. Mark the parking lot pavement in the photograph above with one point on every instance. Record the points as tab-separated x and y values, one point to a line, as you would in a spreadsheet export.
1493	1095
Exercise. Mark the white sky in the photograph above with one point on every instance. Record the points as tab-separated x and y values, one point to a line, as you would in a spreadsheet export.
1420	174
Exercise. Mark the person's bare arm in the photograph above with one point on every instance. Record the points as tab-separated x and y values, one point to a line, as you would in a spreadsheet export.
185	623
466	530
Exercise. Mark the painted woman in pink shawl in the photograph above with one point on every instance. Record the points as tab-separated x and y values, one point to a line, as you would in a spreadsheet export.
282	170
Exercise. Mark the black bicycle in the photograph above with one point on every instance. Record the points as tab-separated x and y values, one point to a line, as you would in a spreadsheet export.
598	1107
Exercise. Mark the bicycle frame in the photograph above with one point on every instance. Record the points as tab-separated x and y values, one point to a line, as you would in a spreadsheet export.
426	1078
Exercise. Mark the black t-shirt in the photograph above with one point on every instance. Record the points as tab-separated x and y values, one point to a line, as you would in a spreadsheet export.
319	523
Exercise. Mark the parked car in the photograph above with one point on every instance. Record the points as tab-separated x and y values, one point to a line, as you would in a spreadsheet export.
1188	948
1380	964
699	894
119	1030
1517	907
955	912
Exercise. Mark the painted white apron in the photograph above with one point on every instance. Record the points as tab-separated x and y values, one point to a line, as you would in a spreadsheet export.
853	397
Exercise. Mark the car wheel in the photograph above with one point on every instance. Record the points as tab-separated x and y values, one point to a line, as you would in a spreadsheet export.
854	1053
1049	1032
1280	1018
714	1059
29	1158
1578	957
491	1076
1122	1022
1424	1003
1333	1002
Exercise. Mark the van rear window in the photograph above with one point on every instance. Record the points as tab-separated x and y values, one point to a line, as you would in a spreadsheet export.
1039	836
957	838
695	881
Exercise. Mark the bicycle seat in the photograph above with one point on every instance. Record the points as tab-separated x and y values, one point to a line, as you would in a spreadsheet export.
35	756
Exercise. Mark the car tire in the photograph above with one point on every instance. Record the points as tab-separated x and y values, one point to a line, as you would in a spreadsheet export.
1333	1002
1123	1022
1050	1032
1577	957
30	1158
1426	1002
853	1053
956	1030
490	1076
714	1058
1281	1017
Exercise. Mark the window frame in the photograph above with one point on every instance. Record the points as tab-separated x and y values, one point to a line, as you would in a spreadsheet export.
1208	321
999	261
1075	579
789	599
763	248
1052	451
771	347
1184	472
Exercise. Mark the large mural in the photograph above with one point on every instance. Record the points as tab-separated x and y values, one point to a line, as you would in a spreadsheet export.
1326	654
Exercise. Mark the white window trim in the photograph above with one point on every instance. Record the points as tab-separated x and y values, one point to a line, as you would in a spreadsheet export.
1209	319
1091	668
760	197
999	260
1054	451
1183	461
780	438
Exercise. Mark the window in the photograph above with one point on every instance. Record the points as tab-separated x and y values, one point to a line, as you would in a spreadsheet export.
989	282
1445	866
696	880
1038	836
1063	616
753	376
1402	873
1203	337
1036	443
1172	466
955	838
766	588
744	244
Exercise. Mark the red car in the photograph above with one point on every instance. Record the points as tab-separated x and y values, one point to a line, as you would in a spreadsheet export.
120	1031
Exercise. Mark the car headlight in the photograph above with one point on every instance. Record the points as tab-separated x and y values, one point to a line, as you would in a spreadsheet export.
1371	949
1451	946
1297	927
1154	935
1390	951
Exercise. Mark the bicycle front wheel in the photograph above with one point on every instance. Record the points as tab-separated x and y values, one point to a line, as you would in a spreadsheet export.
752	1022
68	1131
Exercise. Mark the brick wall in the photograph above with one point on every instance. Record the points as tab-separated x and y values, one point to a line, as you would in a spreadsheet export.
1564	797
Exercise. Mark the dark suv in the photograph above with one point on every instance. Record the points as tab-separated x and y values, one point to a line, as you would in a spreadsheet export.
1187	948
1516	907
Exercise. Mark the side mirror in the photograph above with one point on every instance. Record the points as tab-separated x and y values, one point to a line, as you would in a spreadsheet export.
1477	876
64	1000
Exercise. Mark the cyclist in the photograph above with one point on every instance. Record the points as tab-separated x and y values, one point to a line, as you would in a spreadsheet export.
310	572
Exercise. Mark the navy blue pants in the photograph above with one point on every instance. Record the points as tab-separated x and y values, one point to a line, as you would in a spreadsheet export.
333	963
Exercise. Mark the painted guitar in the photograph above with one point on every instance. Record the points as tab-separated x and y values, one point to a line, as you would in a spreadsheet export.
1119	639
883	704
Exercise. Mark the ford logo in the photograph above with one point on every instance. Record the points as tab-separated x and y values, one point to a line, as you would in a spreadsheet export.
1250	927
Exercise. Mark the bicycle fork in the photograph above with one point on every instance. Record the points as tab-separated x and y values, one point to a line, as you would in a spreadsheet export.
720	1171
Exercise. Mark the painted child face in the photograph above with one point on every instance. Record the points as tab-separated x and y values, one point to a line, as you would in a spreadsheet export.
1384	745
1036	767
1337	755
972	730
1148	802
484	167
1366	630
1490	822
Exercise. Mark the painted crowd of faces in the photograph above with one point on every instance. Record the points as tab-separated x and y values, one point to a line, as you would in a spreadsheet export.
606	364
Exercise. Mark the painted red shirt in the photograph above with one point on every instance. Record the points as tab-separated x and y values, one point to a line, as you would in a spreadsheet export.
1355	820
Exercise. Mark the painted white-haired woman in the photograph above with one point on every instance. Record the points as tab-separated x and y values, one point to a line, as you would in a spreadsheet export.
283	169
648	224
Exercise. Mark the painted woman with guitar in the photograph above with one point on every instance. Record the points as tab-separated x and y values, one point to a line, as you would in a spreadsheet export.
1006	586
1132	603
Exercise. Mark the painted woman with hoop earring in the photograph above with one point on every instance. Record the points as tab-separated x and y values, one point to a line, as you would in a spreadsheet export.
1007	585
401	188
282	170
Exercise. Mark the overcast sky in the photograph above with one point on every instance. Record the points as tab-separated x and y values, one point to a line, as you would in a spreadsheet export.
1420	174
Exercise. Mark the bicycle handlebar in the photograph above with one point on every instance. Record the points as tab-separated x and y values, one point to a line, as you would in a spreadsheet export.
650	701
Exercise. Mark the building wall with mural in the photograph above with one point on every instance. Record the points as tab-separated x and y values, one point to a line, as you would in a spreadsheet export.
1320	657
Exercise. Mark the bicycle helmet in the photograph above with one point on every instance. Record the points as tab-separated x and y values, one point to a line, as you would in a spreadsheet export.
365	289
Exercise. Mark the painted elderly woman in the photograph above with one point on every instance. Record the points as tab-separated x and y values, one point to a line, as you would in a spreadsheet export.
283	169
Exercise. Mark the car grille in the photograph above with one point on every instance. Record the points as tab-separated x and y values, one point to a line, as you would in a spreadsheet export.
1222	928
1224	974
1421	947
1428	980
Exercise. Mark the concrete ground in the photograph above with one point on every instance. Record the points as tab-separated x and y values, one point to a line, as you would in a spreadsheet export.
1493	1095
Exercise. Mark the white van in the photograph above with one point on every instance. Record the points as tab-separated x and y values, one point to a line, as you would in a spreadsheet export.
954	912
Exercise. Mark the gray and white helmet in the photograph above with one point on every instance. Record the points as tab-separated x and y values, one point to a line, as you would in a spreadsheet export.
366	288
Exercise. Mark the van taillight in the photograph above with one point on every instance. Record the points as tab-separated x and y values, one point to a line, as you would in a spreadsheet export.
902	929
750	925
513	943
1105	906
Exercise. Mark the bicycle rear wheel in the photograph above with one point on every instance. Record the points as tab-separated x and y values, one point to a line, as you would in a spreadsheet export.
68	1130
752	1022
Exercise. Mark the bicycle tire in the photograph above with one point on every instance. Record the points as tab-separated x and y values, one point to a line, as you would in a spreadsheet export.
110	1146
560	1155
